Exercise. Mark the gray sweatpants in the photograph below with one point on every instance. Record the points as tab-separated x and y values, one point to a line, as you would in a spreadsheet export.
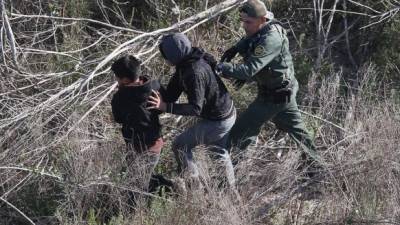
207	132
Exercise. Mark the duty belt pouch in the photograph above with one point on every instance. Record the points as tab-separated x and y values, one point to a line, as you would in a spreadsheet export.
282	95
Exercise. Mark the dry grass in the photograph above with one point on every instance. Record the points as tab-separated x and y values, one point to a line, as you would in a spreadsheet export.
361	186
60	164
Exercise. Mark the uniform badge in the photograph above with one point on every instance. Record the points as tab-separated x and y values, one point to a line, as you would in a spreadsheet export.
259	51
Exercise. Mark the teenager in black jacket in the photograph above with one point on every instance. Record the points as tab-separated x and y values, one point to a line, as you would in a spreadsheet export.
207	98
141	128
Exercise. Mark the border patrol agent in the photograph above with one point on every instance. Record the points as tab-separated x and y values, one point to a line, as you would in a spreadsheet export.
268	62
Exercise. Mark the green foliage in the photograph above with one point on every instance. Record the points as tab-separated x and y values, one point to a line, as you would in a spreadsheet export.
39	199
303	68
387	53
244	96
159	208
92	217
166	167
77	8
93	220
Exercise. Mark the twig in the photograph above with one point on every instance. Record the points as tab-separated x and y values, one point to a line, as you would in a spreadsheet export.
16	209
324	120
2	51
9	32
90	110
31	171
340	11
15	186
367	7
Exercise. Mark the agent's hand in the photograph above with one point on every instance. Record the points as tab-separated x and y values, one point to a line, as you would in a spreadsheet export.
229	54
238	84
156	102
218	70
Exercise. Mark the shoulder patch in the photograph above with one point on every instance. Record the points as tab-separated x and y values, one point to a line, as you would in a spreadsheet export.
259	51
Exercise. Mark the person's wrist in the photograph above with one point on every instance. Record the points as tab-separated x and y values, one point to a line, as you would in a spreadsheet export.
163	106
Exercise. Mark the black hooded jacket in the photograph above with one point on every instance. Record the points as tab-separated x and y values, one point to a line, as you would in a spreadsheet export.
207	95
140	126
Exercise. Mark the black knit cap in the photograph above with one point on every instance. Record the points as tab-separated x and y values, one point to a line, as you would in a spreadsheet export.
127	66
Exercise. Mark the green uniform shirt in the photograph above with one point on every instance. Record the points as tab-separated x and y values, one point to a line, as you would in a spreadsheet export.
266	59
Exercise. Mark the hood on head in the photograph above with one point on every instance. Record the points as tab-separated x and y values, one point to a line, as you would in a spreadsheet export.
175	47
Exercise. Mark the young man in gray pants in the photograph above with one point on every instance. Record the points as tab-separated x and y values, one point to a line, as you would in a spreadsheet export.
207	97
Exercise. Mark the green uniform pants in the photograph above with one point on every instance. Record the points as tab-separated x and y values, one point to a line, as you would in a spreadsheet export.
285	116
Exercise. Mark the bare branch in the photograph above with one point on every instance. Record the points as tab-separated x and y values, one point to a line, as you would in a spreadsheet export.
17	16
9	32
196	19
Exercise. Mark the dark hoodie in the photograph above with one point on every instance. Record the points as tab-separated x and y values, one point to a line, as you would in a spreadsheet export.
140	126
206	93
